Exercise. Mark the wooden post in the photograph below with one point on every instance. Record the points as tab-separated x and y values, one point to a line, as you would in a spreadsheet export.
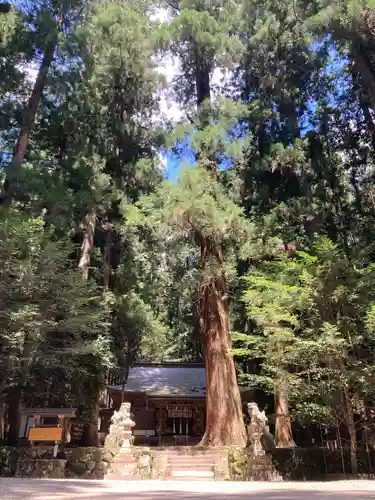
36	422
158	413
56	447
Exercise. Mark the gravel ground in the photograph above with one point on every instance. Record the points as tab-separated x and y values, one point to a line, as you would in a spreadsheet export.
23	489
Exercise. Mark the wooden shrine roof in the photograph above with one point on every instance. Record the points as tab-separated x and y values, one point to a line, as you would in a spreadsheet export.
170	379
163	380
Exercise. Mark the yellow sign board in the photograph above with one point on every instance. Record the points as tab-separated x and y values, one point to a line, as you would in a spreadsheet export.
45	434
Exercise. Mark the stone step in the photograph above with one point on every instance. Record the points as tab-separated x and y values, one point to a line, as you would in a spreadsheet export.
191	478
189	452
187	460
186	457
211	453
208	467
120	469
193	455
123	460
174	465
195	460
186	474
184	477
190	464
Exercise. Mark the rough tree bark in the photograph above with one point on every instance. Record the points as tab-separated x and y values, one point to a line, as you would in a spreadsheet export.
224	417
28	122
14	415
352	434
283	426
87	243
16	393
365	69
365	103
90	436
107	257
350	422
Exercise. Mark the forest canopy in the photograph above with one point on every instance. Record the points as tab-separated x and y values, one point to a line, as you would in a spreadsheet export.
190	180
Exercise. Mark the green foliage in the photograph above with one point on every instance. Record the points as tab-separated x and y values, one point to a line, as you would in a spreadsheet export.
199	209
309	464
311	324
204	37
52	322
277	102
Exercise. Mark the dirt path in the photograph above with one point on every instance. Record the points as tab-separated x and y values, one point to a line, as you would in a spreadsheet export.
24	489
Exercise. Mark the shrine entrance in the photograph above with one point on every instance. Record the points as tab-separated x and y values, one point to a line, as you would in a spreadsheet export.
180	417
179	423
168	402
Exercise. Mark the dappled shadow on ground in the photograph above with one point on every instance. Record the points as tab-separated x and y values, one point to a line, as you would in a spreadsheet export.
86	490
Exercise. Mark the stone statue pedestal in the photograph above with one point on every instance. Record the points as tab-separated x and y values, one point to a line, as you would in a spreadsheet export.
126	436
255	438
125	424
121	429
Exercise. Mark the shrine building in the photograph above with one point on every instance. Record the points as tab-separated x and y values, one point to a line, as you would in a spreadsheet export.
168	402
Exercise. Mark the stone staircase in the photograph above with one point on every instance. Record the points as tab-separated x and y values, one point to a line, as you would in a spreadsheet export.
188	463
181	463
184	463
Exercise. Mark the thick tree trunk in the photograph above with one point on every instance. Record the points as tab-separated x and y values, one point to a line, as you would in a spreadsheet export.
370	122
2	420
283	427
352	432
15	398
224	417
364	101
14	416
87	243
28	123
202	86
365	69
202	82
90	435
107	258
